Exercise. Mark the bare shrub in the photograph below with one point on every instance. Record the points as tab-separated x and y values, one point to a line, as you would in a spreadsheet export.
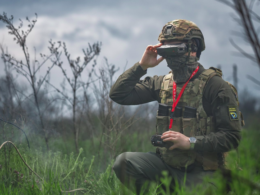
31	67
77	67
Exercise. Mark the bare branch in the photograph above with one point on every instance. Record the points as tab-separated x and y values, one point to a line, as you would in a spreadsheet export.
44	78
246	14
253	79
65	96
243	52
43	62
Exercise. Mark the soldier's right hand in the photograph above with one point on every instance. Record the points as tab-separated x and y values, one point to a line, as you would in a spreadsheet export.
149	58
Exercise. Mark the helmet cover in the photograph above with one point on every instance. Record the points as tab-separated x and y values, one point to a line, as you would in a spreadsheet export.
182	30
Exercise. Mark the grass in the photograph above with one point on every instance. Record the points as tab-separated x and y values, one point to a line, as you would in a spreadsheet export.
61	168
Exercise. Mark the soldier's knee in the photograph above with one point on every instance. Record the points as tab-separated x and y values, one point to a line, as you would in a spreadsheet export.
120	162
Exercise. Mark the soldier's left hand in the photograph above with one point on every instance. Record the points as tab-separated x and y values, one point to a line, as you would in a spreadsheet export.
180	141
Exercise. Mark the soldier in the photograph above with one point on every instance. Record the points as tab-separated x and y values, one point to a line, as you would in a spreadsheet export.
198	116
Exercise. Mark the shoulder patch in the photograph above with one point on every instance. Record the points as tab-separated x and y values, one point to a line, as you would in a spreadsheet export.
233	114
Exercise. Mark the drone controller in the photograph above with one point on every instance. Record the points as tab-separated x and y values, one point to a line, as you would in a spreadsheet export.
156	140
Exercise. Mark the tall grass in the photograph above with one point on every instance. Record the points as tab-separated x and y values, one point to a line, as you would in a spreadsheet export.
61	169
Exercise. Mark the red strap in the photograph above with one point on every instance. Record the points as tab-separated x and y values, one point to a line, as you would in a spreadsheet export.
174	88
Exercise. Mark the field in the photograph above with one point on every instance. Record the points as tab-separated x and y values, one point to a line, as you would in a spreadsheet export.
61	169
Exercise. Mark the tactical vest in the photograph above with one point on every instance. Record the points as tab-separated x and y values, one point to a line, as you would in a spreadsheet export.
190	119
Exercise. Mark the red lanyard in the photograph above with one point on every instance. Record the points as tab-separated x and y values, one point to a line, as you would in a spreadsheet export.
179	96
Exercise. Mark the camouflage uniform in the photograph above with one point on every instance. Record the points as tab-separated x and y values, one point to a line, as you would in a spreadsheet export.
217	135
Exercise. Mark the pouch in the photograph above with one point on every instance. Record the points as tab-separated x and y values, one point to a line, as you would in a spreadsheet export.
162	124
190	126
177	124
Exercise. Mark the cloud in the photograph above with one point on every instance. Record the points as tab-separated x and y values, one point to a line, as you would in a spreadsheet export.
125	28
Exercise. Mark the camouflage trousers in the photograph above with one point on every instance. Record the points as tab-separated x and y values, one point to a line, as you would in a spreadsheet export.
140	168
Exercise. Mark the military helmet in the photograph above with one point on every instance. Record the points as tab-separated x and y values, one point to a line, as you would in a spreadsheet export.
182	30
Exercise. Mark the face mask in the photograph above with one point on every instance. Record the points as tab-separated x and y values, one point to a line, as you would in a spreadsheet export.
180	69
182	65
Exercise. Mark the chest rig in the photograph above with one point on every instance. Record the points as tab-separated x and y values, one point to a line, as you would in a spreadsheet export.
190	119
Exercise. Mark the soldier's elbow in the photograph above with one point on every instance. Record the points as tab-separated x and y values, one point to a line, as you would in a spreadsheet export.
235	145
236	141
112	97
115	98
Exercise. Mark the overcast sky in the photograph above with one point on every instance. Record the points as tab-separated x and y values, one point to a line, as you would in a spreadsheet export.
125	28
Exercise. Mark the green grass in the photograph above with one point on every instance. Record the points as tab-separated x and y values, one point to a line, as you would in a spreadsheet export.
91	168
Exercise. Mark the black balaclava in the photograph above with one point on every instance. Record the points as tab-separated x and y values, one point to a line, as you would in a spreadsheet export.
183	66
